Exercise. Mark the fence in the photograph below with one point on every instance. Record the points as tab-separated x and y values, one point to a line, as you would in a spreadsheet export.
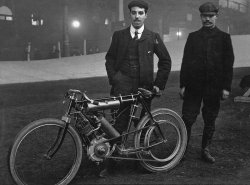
38	51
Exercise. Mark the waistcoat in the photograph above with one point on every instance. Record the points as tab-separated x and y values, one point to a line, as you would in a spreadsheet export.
130	65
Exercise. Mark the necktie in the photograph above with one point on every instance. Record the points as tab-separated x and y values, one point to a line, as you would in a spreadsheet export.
136	35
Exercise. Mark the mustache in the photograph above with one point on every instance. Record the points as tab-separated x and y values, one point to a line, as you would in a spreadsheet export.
206	22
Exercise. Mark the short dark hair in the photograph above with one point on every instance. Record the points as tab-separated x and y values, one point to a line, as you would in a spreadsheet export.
138	3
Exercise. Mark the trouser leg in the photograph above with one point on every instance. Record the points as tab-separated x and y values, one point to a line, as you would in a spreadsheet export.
125	86
210	110
190	110
123	118
143	112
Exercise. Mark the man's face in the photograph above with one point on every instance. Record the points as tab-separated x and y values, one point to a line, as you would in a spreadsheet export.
208	21
138	16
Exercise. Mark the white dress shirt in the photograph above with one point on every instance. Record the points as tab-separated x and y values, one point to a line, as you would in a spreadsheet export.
132	31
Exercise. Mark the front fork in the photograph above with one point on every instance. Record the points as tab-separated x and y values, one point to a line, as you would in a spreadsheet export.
59	139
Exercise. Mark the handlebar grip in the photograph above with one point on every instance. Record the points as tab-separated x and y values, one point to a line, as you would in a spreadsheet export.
156	94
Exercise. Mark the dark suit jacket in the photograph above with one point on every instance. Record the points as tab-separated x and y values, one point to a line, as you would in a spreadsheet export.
208	60
149	43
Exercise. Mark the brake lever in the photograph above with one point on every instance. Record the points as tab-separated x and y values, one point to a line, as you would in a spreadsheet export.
90	100
66	95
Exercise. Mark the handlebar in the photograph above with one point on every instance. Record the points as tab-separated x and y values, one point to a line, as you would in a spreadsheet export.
74	94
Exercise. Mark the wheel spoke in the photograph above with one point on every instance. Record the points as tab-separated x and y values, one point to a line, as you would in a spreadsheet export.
28	163
166	152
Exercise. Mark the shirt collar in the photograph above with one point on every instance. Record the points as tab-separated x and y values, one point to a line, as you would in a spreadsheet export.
132	31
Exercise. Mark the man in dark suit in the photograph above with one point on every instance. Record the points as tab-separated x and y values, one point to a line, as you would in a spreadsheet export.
129	60
206	75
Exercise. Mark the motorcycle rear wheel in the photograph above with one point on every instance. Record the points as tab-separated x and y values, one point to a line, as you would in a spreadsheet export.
164	154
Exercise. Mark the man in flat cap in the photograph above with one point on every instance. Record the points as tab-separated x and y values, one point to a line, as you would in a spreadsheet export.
206	75
129	60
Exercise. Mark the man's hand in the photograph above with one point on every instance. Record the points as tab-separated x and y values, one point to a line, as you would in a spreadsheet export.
156	89
182	92
225	94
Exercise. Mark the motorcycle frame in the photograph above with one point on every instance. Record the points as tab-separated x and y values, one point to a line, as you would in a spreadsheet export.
81	104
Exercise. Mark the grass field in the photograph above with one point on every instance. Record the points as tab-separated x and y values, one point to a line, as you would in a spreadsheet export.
22	103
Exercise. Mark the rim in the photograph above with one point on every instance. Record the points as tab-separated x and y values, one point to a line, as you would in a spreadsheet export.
14	170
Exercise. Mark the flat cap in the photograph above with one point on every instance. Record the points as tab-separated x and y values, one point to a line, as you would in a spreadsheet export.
208	8
138	3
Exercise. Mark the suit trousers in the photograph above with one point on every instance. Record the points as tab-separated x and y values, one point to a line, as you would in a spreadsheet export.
191	108
125	85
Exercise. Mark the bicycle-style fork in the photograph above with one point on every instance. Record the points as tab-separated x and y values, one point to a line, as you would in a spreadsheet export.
62	131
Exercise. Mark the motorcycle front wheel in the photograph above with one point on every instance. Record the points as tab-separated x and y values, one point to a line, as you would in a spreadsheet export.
28	160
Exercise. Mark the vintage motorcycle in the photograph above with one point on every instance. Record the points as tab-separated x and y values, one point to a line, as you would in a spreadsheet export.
50	151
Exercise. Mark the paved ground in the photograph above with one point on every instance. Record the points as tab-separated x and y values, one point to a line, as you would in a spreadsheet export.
69	67
94	65
55	69
60	69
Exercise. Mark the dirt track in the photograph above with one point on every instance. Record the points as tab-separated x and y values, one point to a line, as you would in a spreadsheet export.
23	103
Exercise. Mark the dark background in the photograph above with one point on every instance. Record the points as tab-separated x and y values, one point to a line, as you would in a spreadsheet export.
166	17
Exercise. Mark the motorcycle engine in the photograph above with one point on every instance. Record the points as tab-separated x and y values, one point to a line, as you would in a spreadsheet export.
98	150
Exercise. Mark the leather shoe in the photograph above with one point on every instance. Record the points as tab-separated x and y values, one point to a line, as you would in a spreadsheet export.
207	157
108	169
184	158
104	173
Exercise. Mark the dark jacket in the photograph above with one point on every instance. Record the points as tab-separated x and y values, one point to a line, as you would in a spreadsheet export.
208	60
149	43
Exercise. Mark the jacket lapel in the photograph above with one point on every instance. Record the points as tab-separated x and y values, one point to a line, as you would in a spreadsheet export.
125	40
145	35
127	35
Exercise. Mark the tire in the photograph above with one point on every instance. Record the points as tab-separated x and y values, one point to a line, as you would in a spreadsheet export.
27	163
165	155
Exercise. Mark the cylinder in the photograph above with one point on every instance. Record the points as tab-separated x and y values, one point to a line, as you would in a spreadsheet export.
108	128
